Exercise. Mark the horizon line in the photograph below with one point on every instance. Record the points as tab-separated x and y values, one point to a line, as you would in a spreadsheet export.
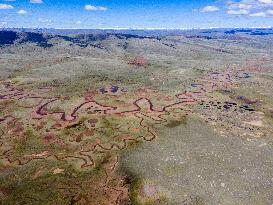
201	28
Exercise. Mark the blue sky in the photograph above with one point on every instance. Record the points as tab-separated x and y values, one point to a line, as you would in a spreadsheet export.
136	14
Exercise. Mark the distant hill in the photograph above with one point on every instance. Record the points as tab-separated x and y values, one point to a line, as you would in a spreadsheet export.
9	37
13	37
85	37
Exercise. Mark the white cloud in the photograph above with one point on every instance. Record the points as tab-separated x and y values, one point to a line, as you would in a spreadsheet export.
94	8
244	6
6	6
207	9
22	12
253	8
269	12
36	1
241	5
238	12
258	14
266	1
42	20
249	4
78	22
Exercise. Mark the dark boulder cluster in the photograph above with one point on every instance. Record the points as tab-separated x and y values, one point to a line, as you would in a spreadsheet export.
227	106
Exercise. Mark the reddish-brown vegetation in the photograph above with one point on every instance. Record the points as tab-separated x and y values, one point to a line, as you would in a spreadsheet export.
138	61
